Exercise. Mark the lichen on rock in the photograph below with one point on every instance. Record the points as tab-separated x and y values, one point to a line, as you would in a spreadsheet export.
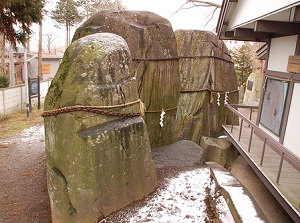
152	43
205	69
96	164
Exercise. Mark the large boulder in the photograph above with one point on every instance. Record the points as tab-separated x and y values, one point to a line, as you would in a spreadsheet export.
206	69
98	158
218	150
152	44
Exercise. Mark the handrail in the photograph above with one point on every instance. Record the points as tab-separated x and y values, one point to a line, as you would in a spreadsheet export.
284	152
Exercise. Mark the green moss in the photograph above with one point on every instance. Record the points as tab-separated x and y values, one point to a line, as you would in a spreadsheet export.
83	31
179	34
56	87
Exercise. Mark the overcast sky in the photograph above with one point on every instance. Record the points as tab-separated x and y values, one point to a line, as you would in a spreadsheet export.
194	18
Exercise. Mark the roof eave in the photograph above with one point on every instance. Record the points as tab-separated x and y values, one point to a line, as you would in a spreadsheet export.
226	5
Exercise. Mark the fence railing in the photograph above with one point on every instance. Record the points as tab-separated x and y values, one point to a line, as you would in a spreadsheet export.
284	153
13	99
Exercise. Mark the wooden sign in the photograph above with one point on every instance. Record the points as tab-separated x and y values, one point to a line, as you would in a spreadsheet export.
294	64
46	69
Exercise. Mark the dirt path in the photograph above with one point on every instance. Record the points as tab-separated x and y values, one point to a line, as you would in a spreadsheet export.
23	188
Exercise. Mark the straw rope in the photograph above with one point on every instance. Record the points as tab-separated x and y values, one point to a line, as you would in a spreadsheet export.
99	110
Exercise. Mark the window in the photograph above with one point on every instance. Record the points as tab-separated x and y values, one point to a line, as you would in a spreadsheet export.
273	104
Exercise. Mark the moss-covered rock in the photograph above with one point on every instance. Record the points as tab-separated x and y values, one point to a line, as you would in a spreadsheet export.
152	43
205	69
96	164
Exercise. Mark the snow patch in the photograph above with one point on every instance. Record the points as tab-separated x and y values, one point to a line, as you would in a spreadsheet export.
32	134
181	200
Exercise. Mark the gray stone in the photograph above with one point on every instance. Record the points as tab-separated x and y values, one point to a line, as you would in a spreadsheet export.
205	69
96	163
218	150
152	44
234	192
180	154
252	96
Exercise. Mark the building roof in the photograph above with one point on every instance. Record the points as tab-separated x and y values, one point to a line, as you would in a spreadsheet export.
239	21
52	56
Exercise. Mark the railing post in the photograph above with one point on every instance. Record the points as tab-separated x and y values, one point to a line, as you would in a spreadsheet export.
251	110
250	140
241	127
251	113
280	167
263	152
225	121
232	121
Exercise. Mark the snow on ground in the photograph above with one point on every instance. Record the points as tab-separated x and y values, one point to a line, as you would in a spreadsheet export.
182	200
32	133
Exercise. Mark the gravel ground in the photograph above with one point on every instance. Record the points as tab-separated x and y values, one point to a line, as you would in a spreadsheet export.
23	187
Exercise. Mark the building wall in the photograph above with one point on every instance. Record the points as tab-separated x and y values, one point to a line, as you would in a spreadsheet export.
292	139
256	9
13	99
280	50
54	64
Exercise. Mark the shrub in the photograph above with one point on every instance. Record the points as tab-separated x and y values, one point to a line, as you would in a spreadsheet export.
4	82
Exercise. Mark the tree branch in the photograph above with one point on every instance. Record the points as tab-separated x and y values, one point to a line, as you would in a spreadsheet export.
199	3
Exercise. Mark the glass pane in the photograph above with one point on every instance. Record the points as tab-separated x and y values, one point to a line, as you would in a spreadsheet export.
273	104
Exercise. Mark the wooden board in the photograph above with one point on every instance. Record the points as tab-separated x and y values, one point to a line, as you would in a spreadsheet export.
46	69
294	64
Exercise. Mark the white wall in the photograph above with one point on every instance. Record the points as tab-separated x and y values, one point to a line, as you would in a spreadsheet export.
281	49
249	10
14	99
54	65
292	139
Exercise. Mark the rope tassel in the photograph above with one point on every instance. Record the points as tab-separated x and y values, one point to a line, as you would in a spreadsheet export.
162	116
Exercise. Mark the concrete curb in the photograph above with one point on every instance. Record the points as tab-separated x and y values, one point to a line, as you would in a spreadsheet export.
240	202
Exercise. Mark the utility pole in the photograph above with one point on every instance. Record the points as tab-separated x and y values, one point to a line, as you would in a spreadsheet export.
40	62
26	82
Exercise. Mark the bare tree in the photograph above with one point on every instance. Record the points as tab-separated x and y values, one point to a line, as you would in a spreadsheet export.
198	3
257	65
48	40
